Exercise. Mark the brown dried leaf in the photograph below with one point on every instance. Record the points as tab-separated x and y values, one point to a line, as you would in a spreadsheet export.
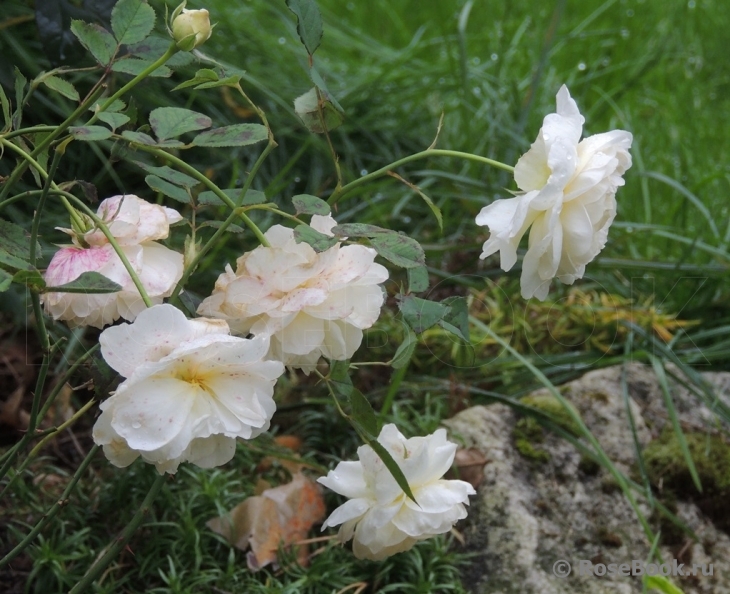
469	466
280	516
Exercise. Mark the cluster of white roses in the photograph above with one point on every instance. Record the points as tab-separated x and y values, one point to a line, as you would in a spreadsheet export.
191	387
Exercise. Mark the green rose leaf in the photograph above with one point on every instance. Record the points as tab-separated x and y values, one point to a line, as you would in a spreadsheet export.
116	105
417	279
252	197
235	135
169	122
204	75
5	106
218	224
135	66
160	185
90	133
363	413
97	40
320	84
6	280
31	279
61	86
229	81
421	314
405	351
132	21
15	246
340	378
88	282
399	249
393	467
13	261
114	120
168	173
309	23
139	138
153	48
456	320
311	205
20	97
359	230
319	241
434	209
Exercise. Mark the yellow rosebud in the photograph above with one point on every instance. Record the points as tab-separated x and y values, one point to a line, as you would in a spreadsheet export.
191	28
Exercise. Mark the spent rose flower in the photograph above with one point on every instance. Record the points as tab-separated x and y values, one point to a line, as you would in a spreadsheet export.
312	305
135	224
568	198
379	515
191	28
190	390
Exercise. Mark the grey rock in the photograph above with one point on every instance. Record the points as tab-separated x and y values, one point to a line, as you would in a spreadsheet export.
529	515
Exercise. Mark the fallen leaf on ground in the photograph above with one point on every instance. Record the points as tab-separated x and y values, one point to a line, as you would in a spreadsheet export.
280	516
469	466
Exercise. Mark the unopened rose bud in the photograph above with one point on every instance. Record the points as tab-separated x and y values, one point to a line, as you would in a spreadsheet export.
191	28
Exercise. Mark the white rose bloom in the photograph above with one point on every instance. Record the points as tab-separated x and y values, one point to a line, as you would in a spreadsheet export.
382	519
135	224
191	389
312	305
569	187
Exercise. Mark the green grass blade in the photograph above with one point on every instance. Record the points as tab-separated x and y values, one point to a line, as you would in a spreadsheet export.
672	411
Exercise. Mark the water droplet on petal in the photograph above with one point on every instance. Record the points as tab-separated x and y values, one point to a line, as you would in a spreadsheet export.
136	425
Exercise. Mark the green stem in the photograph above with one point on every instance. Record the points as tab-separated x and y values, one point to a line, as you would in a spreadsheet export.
338	194
40	382
65	197
333	153
31	130
190	170
171	51
395	383
271	145
62	427
190	268
11	454
51	513
121	541
112	241
60	129
35	226
254	170
275	210
28	194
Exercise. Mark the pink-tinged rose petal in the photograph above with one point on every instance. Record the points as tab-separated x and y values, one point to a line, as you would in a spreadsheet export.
70	263
311	304
134	223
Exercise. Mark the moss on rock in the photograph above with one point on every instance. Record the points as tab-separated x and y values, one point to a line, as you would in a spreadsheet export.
710	453
551	406
665	466
527	433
